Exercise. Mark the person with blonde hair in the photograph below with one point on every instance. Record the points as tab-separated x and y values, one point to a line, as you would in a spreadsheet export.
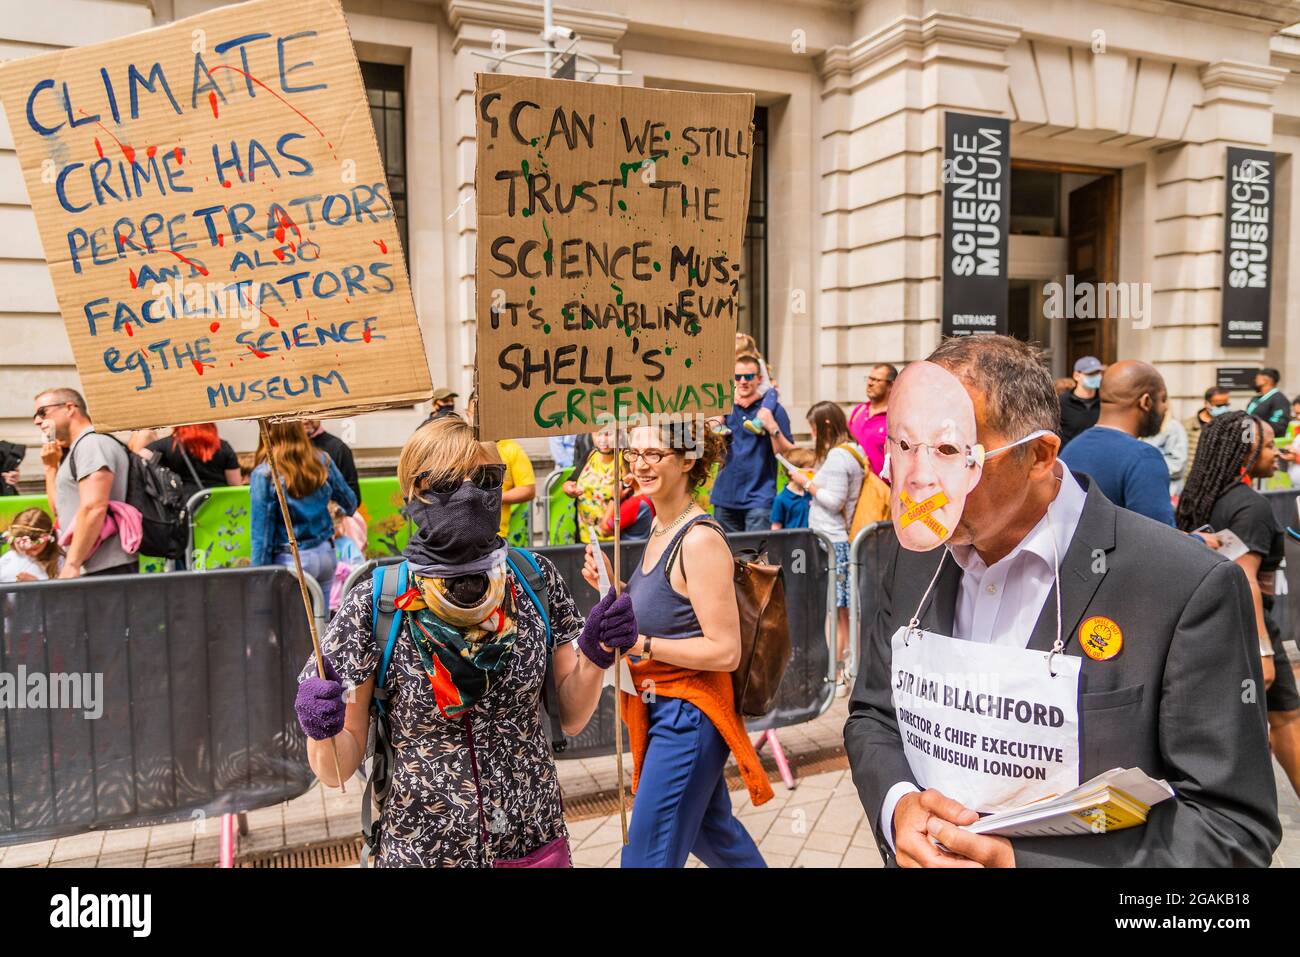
456	673
311	482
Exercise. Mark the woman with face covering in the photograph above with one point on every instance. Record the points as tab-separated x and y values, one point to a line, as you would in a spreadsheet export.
686	609
472	781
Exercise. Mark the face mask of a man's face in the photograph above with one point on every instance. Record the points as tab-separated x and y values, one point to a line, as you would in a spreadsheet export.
934	458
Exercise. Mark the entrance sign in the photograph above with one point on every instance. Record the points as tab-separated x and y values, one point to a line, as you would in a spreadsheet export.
216	219
976	216
610	228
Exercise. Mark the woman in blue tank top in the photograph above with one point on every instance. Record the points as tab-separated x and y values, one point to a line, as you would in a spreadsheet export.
689	642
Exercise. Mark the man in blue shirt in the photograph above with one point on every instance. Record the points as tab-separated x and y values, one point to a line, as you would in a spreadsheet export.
760	430
1130	473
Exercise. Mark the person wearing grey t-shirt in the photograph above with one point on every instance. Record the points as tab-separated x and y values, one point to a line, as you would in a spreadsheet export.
100	465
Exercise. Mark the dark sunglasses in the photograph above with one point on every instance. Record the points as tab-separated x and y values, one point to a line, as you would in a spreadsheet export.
746	376
487	477
40	412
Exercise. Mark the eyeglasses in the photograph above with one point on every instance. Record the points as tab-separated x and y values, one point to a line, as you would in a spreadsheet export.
41	410
651	456
487	477
746	376
943	452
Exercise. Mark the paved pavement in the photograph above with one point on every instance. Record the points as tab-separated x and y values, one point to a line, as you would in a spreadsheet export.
820	823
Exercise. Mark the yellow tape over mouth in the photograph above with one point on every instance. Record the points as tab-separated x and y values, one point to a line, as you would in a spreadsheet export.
920	512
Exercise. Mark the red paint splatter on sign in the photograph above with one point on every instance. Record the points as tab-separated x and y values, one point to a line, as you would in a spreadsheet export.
179	155
383	246
258	352
214	327
128	329
127	151
221	239
198	366
212	102
99	148
135	281
253	79
151	152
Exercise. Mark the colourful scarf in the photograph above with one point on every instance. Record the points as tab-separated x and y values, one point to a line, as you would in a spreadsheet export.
460	660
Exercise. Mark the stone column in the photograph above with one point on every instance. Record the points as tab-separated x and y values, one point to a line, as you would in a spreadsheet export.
882	191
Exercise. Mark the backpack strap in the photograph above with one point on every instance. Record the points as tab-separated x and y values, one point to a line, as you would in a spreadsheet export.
529	575
388	582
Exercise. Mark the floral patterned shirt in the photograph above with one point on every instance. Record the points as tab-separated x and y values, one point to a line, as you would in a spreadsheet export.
430	817
595	492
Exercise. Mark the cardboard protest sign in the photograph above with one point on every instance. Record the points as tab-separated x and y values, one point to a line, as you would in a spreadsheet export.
610	224
217	221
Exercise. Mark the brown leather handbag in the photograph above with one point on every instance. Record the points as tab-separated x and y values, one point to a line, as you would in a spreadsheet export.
765	650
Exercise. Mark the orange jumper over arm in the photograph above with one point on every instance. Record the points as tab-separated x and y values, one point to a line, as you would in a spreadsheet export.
710	691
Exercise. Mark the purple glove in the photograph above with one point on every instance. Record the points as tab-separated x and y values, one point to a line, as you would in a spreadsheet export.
612	623
320	705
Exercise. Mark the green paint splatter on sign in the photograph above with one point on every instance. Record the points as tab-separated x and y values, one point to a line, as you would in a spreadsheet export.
527	212
688	363
523	165
658	267
622	205
546	328
685	160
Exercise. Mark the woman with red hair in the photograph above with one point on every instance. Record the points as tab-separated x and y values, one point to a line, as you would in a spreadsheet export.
201	457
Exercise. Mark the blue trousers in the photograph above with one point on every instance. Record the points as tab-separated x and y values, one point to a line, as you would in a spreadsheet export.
682	804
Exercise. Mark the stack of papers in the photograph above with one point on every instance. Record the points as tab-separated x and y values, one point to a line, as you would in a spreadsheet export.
1111	801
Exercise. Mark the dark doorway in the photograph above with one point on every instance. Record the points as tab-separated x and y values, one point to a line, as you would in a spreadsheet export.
1094	223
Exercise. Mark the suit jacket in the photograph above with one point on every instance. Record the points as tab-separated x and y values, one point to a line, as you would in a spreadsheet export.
1183	700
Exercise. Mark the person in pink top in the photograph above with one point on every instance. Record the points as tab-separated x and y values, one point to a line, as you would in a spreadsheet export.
867	420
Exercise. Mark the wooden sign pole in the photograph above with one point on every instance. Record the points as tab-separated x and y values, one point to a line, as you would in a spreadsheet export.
302	581
618	652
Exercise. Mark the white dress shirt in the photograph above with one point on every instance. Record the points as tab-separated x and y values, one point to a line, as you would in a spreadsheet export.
1000	603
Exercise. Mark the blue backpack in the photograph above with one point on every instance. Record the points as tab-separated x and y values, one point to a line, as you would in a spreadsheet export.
389	582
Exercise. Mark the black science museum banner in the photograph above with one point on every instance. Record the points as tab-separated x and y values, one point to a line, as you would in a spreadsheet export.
976	211
1247	246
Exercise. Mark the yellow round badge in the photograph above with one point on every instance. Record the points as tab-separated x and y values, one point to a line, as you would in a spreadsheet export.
1100	638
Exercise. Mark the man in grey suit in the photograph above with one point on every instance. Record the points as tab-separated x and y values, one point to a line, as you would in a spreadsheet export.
1181	698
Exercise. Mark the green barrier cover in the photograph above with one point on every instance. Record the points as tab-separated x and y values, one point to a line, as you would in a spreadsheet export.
521	528
387	529
220	530
562	513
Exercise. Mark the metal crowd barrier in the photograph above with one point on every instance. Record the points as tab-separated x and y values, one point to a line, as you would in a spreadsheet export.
869	556
147	699
808	560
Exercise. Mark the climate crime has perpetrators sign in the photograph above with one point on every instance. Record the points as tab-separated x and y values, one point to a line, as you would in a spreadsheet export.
610	227
216	219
